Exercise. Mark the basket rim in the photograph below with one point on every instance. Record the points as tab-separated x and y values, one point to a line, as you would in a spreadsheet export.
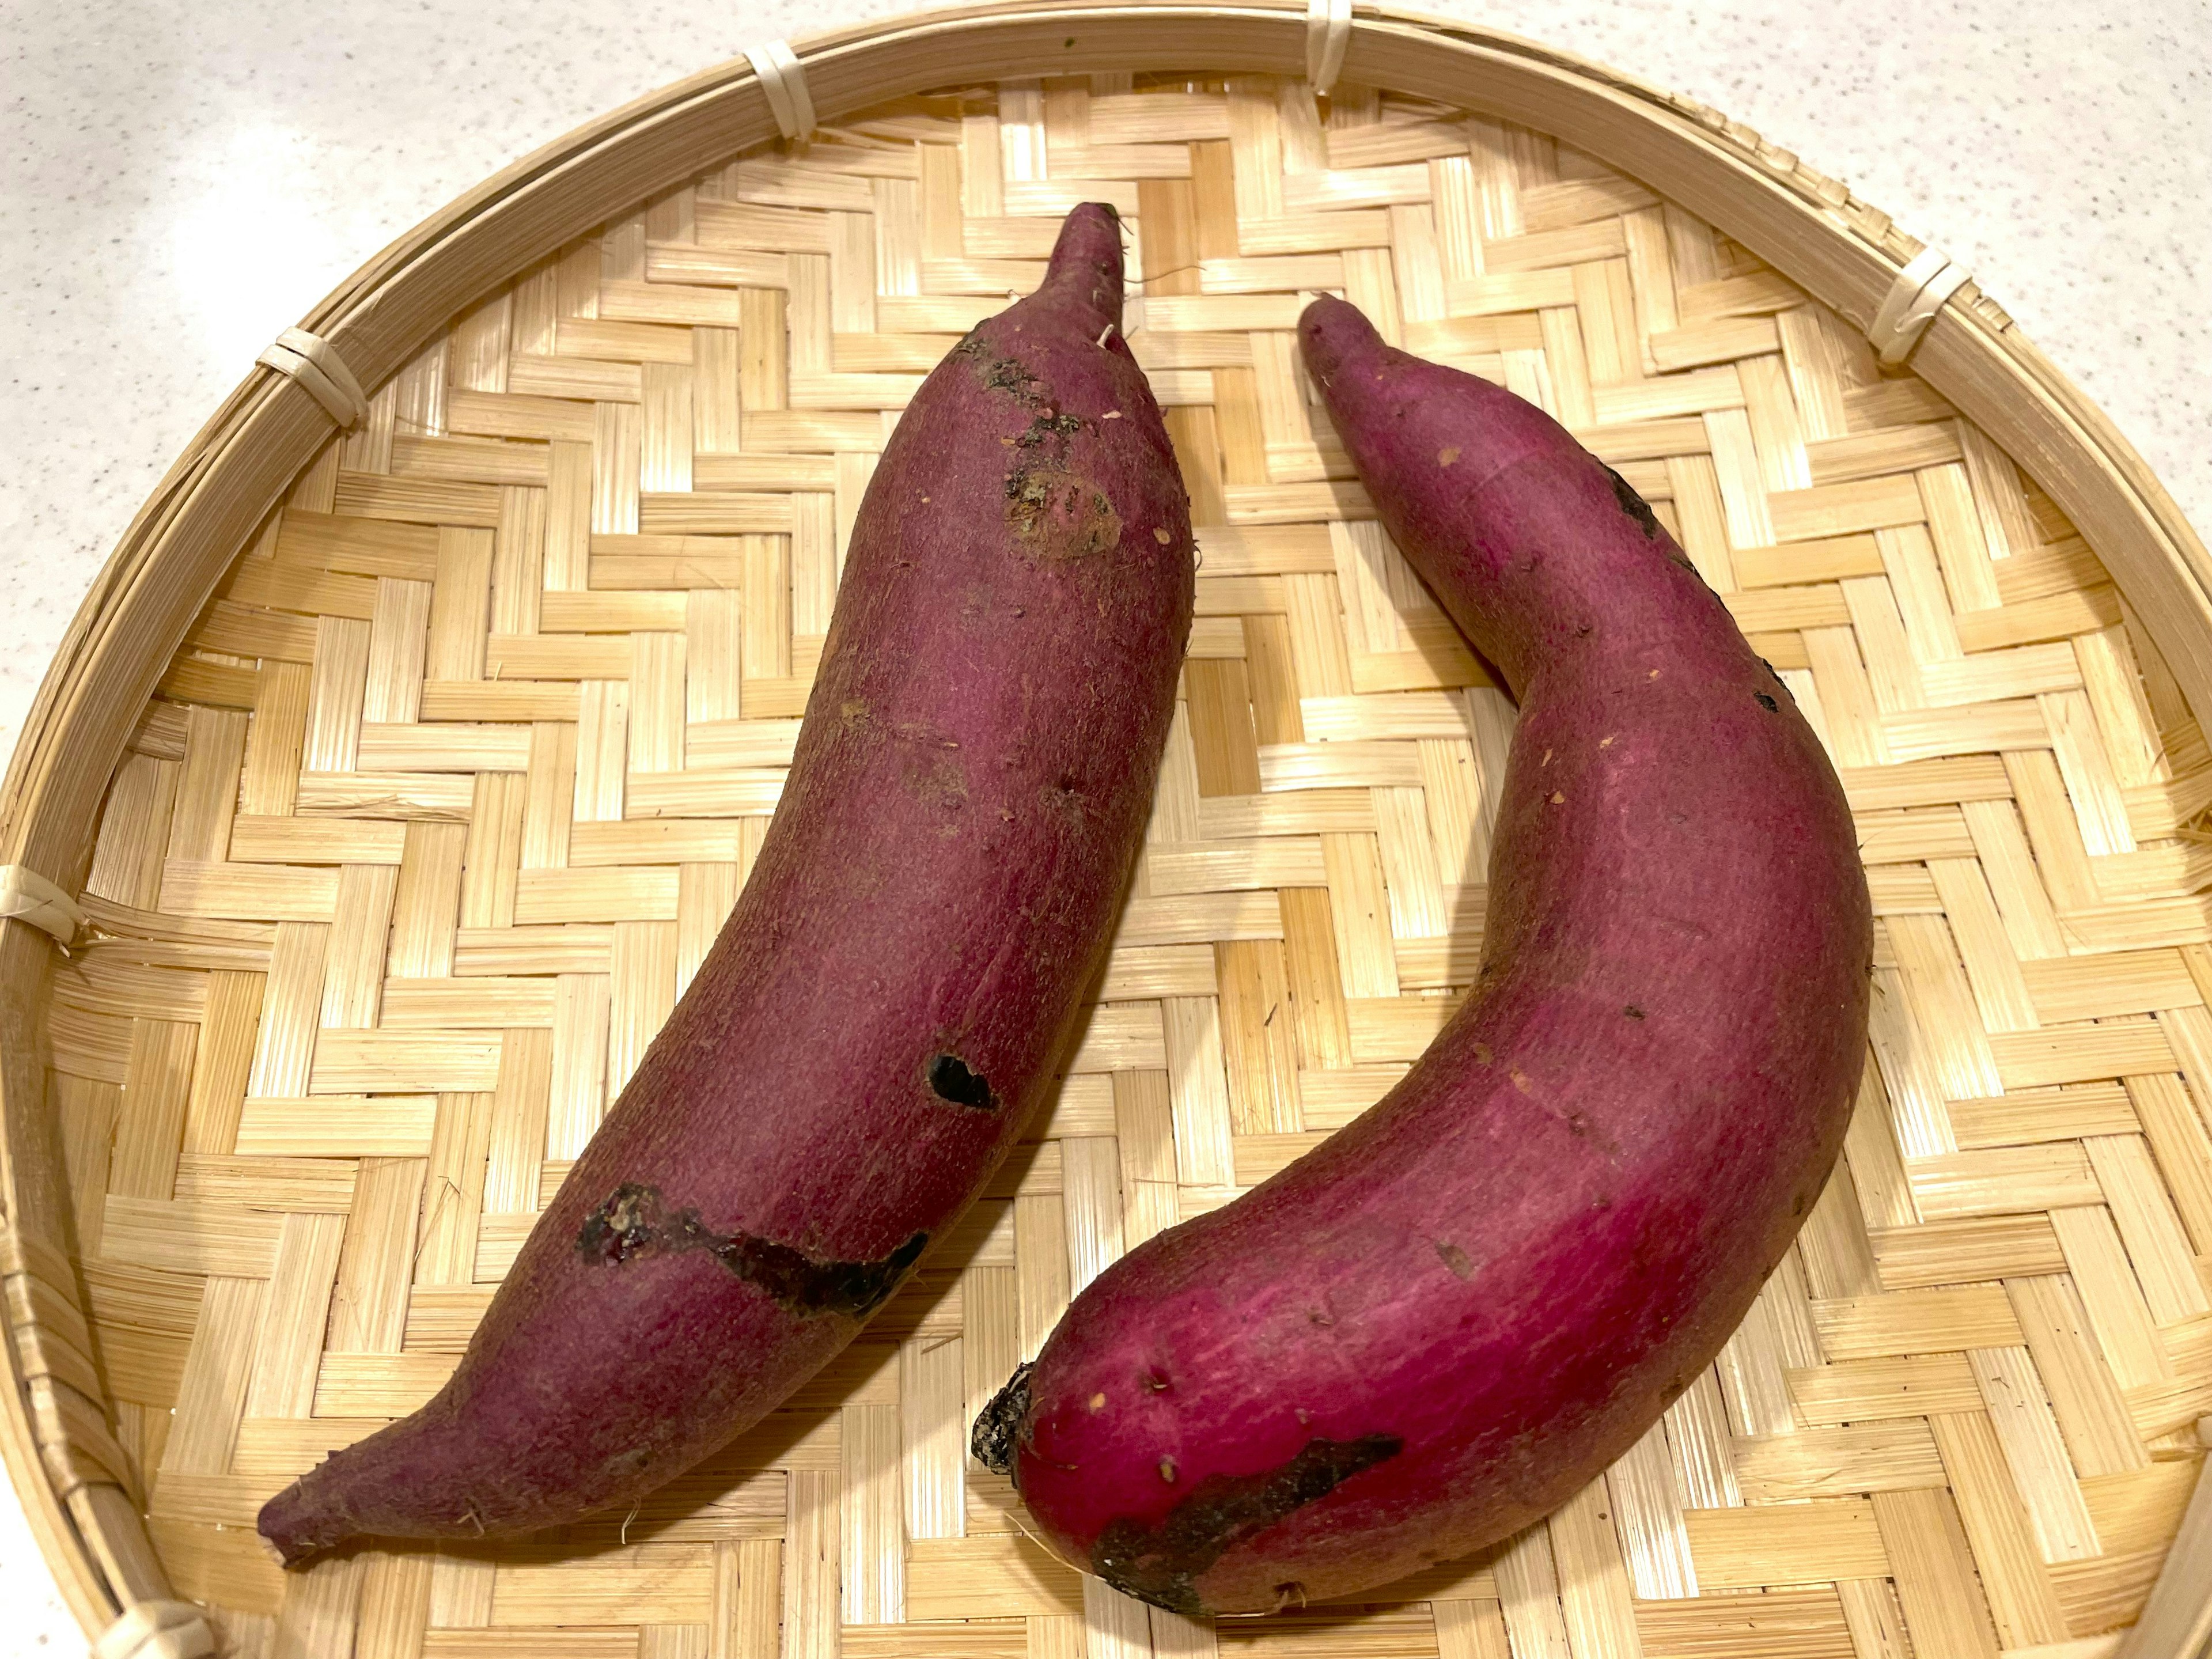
1845	253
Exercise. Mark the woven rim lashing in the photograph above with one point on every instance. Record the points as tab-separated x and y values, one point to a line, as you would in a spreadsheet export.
430	815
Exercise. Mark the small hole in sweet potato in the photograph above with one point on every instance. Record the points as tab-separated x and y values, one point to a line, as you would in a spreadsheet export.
950	1079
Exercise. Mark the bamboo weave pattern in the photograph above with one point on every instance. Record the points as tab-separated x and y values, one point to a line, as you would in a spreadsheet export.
450	788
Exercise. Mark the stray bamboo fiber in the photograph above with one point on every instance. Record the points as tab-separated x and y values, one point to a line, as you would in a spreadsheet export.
401	775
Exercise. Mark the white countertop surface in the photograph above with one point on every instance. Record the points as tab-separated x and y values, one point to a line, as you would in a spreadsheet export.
179	183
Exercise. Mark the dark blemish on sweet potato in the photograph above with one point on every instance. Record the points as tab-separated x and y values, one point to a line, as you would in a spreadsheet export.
1634	505
1160	1564
1767	702
998	1425
1004	372
1048	425
937	779
920	734
1157	1380
1065	801
1008	374
636	1222
1633	1011
1673	1392
1057	515
1289	1595
621	1228
950	1079
1455	1259
1578	1124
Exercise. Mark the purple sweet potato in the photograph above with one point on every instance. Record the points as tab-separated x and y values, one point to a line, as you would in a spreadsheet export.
887	1002
1449	1317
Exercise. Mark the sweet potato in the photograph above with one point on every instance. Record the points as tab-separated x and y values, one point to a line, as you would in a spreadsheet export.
886	1003
1451	1316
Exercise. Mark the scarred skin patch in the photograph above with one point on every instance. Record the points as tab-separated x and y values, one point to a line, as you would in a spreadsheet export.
1058	514
1161	1564
636	1222
937	779
1054	512
1634	505
1647	521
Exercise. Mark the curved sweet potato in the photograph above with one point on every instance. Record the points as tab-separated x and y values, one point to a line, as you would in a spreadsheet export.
885	1005
1446	1320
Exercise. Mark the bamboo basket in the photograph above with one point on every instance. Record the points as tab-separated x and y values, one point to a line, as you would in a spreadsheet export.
413	744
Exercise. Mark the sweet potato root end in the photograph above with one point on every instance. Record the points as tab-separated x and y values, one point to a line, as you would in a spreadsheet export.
998	1423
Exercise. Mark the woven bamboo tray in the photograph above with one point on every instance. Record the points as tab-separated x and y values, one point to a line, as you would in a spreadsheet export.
393	780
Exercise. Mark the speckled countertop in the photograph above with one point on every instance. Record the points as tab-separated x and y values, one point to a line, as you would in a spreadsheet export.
179	183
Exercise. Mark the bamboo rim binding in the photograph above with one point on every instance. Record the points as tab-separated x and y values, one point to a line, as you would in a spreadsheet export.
315	364
783	78
1329	32
344	336
156	1630
27	895
1921	290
